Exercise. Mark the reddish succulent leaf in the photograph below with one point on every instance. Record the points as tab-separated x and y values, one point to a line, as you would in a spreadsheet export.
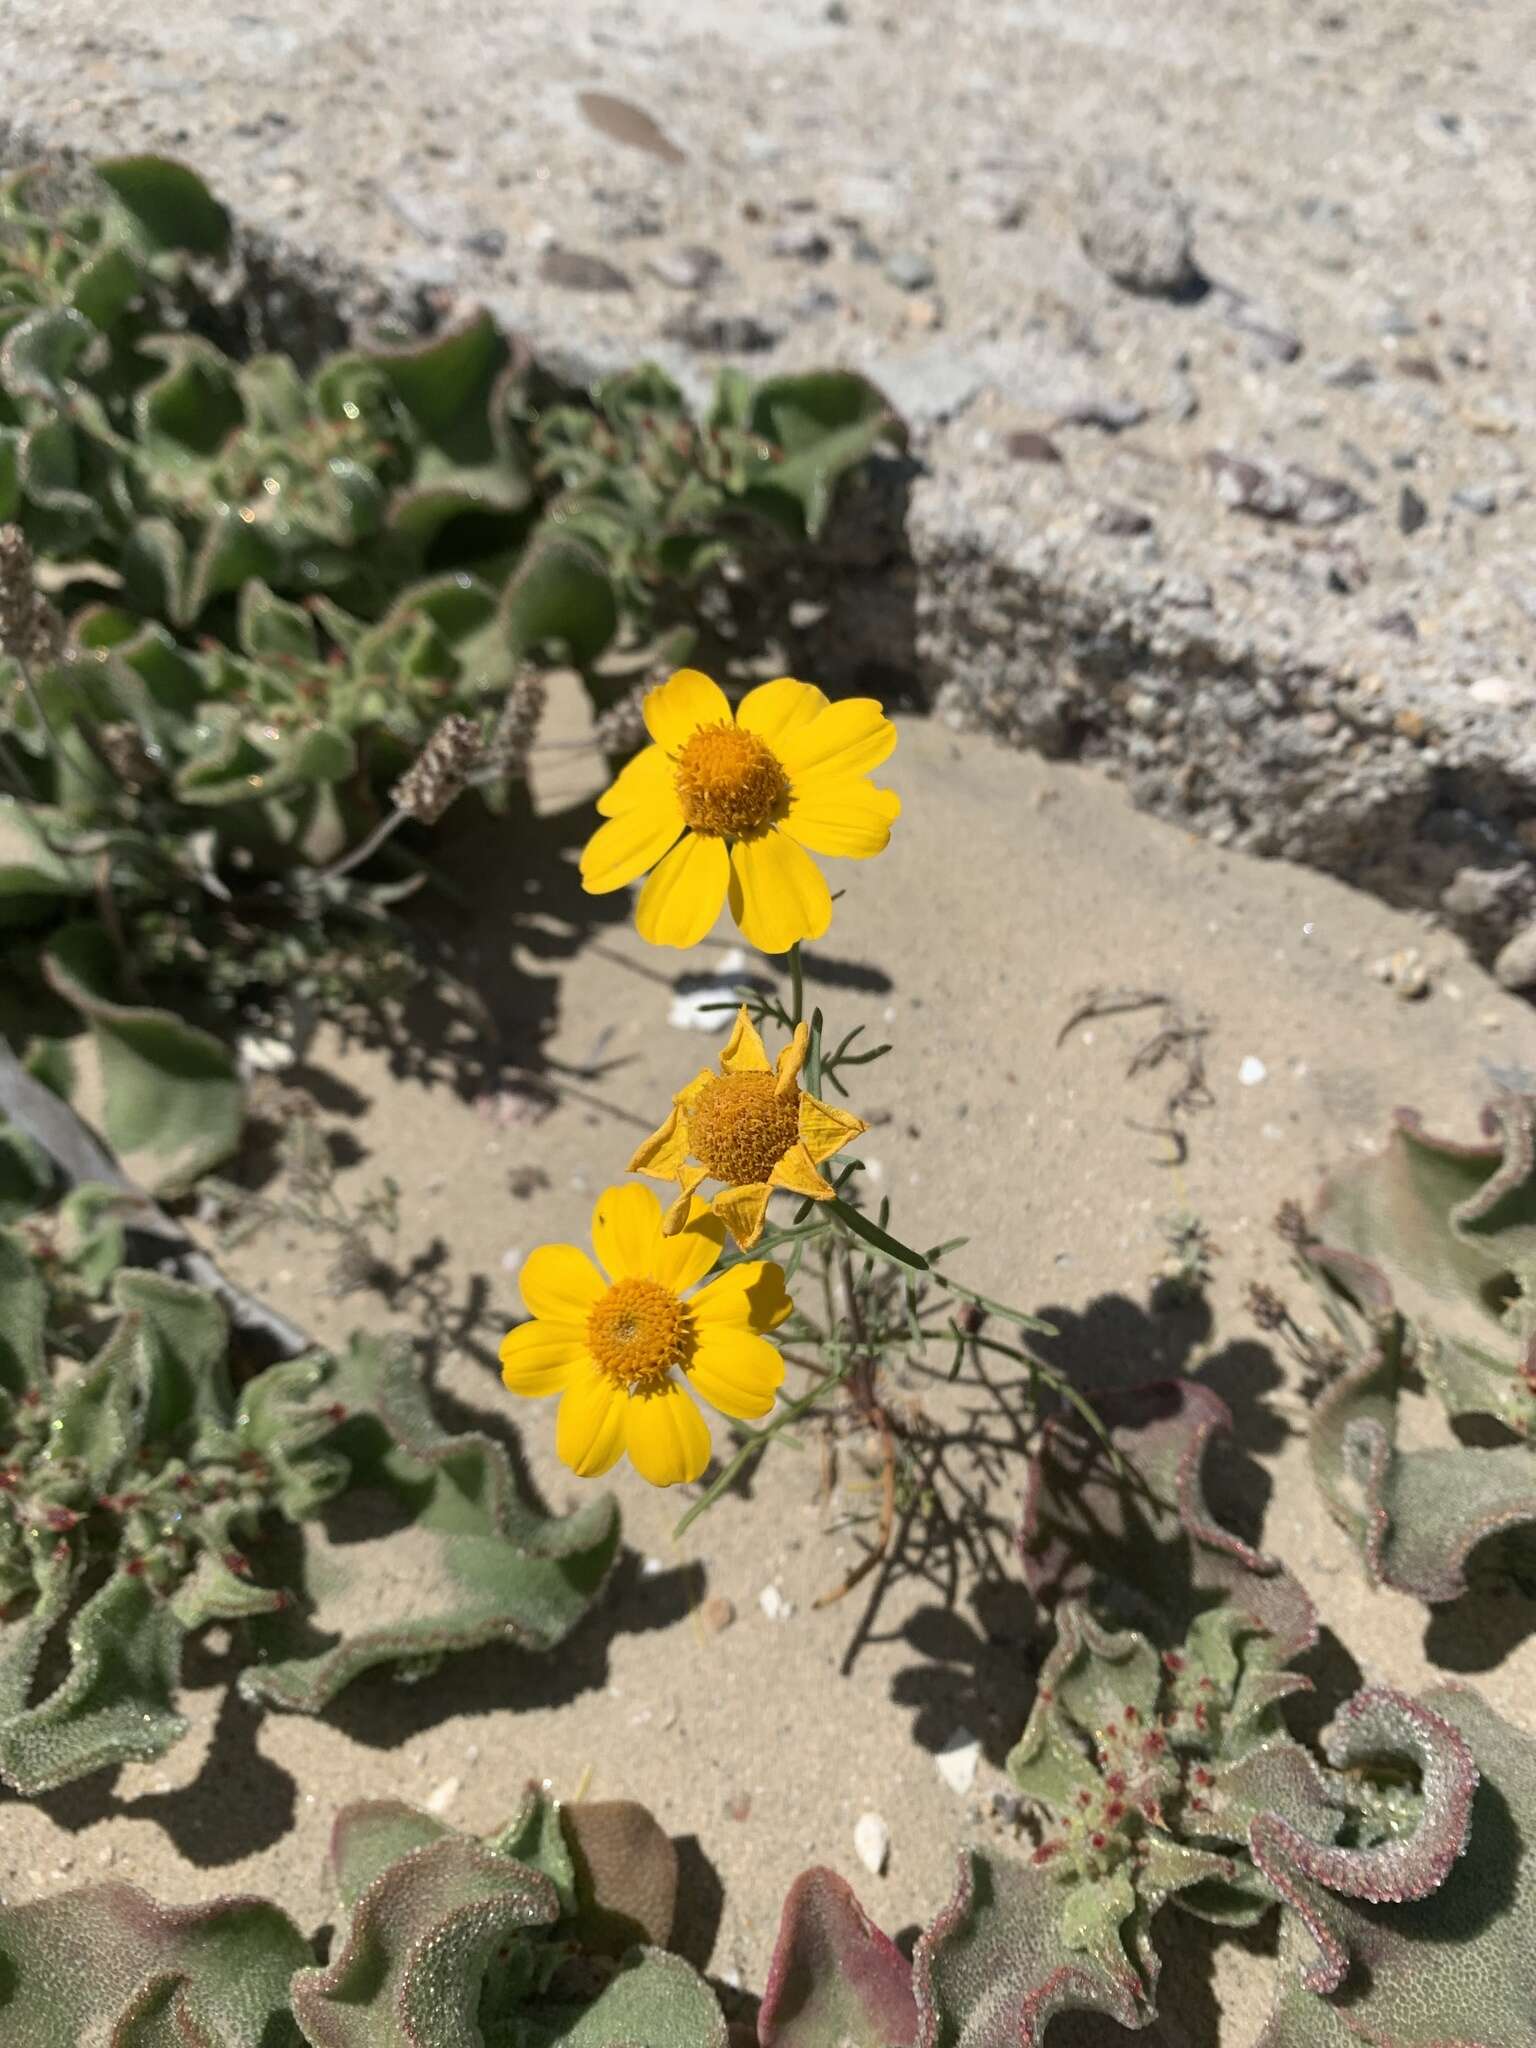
835	1981
626	1874
1146	1548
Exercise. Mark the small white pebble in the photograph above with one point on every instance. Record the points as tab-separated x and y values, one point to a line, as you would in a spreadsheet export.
264	1055
774	1605
958	1760
1252	1071
874	1169
441	1797
872	1843
472	1752
512	1258
652	1567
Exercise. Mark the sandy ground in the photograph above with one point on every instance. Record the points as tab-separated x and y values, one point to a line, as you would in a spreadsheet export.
1012	886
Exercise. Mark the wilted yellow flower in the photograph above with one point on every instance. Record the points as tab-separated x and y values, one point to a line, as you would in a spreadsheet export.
733	807
752	1126
627	1353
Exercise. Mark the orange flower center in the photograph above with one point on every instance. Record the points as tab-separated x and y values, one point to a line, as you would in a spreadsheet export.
730	785
740	1128
638	1332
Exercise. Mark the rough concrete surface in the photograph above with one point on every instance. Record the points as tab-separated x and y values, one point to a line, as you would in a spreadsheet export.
1239	501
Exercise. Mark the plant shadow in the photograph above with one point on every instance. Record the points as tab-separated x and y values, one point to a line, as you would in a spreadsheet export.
977	1638
239	1803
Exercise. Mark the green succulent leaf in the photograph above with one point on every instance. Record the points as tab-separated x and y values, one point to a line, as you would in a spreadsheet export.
165	206
560	595
1429	1251
117	1701
106	1963
418	1944
174	1102
466	1562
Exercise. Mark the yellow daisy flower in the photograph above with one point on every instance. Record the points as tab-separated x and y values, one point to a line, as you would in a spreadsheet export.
626	1353
752	1126
733	807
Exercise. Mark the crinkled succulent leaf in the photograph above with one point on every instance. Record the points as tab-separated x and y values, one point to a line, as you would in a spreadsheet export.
117	1701
173	1100
994	1969
1140	1546
1433	1246
418	1944
462	1562
462	1944
106	1964
835	1980
1447	1964
131	1490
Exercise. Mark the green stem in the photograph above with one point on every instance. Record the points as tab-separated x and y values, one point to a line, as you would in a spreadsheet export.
796	987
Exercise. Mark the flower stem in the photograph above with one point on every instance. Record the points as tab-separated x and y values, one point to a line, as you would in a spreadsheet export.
796	986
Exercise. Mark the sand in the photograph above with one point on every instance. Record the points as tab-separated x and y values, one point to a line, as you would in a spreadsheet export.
1011	887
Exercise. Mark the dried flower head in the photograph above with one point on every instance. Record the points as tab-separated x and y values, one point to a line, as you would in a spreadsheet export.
441	771
31	630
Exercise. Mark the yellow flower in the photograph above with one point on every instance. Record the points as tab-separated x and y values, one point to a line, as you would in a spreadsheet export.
752	1126
727	807
624	1352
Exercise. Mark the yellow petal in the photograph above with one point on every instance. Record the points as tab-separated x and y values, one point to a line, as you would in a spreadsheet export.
751	1296
737	1373
790	1061
825	1130
648	779
626	1232
848	818
589	1429
778	894
779	707
744	1050
681	1207
675	709
848	738
536	1358
696	1086
682	899
742	1210
796	1170
559	1284
664	1151
688	1254
623	848
667	1437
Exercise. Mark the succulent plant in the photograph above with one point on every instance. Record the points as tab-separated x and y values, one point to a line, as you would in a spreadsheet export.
143	1497
445	1941
1427	1257
1158	1770
276	583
